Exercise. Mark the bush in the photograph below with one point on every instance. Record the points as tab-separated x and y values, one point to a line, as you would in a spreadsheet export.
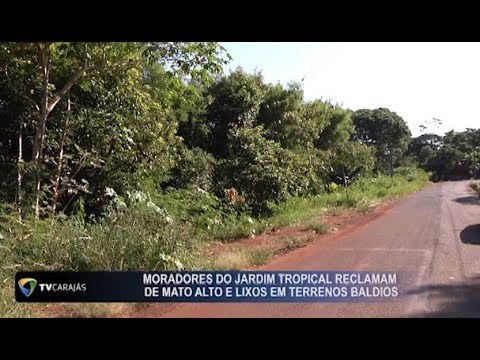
262	171
138	239
319	228
193	206
194	168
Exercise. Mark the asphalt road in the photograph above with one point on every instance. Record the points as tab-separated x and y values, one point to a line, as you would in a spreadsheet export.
432	235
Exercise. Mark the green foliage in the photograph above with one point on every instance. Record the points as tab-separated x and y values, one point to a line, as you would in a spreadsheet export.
136	166
318	227
379	187
281	116
332	187
347	162
134	240
236	102
343	159
121	127
444	161
337	130
386	131
262	170
236	226
362	195
425	154
161	232
256	165
193	168
453	156
193	207
417	144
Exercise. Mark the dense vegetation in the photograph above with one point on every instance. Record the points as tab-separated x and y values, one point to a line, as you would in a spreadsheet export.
454	156
128	155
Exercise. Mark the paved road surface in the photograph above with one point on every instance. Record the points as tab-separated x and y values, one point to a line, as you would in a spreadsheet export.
434	235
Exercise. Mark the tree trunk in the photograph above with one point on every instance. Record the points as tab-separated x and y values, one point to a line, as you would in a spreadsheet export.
344	177
46	108
56	182
44	55
20	172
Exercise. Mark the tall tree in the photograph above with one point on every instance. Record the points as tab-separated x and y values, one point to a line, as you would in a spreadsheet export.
386	131
43	73
281	115
236	101
416	144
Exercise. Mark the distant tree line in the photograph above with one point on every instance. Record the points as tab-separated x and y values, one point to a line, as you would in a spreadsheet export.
456	155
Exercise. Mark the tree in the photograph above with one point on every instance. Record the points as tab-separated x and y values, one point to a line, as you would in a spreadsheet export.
281	116
416	144
186	104
386	131
194	168
345	159
348	162
424	155
459	140
468	143
236	101
43	73
444	161
337	129
261	170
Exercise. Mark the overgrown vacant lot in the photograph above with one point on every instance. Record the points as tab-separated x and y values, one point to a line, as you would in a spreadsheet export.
143	156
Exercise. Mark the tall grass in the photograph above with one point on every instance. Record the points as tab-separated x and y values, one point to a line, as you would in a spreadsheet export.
137	239
362	195
319	227
144	238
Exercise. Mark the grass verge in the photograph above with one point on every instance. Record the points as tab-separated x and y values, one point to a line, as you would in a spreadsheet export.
242	257
363	195
319	227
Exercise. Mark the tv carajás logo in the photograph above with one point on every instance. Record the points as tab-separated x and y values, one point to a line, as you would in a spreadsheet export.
27	285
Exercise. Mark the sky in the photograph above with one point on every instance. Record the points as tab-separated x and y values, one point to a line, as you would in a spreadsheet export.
419	81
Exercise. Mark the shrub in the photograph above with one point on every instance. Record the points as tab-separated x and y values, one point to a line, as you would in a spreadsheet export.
319	227
193	206
194	168
138	239
262	171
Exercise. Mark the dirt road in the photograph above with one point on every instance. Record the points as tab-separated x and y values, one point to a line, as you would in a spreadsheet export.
434	235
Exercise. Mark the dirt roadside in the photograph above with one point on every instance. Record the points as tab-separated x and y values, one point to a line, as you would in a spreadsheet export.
341	222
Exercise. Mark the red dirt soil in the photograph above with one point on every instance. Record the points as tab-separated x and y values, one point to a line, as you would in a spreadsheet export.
347	221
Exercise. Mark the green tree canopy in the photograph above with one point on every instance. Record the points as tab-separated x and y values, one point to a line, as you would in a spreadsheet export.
386	131
236	101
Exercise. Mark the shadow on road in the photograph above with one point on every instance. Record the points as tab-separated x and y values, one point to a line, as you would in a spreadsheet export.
471	234
468	200
454	300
